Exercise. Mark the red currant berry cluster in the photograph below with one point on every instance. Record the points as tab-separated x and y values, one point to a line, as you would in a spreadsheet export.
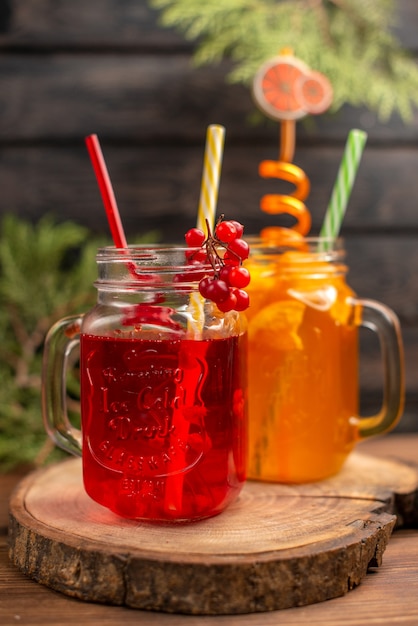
225	250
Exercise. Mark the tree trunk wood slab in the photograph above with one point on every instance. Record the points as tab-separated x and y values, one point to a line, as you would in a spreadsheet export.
278	546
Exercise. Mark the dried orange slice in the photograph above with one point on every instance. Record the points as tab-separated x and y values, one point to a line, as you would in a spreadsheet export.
274	87
285	88
314	93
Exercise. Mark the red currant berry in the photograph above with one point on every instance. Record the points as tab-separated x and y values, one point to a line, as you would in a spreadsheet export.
243	299
226	231
214	289
199	256
240	248
238	277
229	304
219	291
231	259
224	250
238	227
194	237
194	256
204	286
225	273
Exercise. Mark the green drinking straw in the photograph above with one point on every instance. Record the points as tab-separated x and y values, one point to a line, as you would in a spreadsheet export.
343	185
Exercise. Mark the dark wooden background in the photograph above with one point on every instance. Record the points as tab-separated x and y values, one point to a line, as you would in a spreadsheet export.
72	68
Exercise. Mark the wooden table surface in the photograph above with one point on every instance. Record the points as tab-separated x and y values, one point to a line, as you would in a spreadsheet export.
387	596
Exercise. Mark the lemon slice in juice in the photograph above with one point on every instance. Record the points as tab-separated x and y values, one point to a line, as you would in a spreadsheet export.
276	326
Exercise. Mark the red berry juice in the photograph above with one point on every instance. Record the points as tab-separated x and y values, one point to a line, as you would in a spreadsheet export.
164	425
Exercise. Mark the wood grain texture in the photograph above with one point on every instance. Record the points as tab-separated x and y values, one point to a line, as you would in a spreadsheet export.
111	23
277	547
152	96
385	597
153	183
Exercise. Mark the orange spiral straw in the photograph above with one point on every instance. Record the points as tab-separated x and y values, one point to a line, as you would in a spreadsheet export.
291	204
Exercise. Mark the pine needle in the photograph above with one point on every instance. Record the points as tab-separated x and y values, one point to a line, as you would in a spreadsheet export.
350	41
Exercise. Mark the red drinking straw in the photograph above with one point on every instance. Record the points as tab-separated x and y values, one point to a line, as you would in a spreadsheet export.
106	191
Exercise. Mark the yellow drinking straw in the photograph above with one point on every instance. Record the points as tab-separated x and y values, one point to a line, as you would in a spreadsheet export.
212	162
206	212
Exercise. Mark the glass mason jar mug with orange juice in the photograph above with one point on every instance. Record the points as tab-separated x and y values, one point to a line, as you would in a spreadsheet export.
304	362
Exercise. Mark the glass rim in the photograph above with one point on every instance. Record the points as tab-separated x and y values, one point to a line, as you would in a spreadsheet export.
168	256
140	248
135	265
312	244
307	239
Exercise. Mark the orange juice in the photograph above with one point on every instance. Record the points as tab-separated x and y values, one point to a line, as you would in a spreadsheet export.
303	365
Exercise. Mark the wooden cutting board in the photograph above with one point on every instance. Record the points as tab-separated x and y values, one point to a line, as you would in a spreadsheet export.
278	546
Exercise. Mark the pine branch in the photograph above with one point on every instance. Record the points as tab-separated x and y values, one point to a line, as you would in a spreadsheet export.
350	41
46	272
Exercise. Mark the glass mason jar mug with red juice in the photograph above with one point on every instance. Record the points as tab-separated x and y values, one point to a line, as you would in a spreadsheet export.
163	388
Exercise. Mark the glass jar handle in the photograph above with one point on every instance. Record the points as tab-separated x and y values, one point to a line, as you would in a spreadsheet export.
383	321
61	341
